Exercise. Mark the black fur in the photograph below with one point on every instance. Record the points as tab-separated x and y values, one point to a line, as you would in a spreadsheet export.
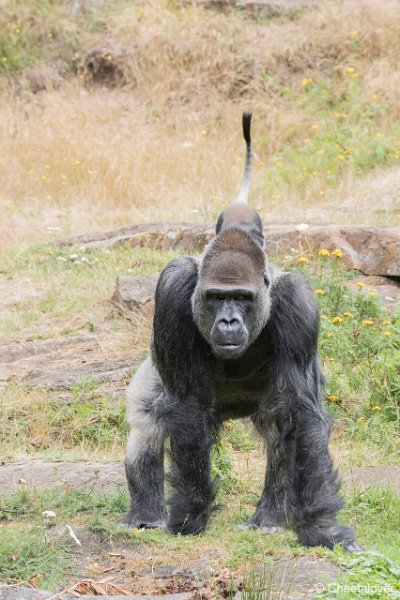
233	337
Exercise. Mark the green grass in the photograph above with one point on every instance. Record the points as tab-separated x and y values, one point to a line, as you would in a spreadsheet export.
88	277
348	132
27	542
359	344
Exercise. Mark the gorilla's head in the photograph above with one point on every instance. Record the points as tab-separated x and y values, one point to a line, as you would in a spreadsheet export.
231	302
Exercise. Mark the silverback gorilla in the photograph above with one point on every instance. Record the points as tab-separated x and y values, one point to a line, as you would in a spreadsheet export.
233	337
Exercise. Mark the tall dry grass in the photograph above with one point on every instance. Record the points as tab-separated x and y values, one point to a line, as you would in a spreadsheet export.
167	144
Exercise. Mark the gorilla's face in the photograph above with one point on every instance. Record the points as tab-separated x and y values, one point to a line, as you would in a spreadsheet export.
231	303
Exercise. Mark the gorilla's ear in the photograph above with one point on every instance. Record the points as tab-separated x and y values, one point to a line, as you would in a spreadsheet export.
181	355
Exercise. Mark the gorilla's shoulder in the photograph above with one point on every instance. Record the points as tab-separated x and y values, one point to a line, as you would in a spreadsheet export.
178	277
294	318
174	290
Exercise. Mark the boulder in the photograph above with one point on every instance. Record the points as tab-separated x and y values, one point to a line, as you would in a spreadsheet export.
134	292
367	248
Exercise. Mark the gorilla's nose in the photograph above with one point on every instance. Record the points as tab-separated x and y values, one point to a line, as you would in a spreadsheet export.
229	325
229	331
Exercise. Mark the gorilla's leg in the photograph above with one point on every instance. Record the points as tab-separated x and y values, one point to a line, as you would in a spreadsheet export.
316	485
192	435
274	507
144	462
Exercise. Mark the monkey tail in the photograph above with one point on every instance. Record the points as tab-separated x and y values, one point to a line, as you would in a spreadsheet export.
245	187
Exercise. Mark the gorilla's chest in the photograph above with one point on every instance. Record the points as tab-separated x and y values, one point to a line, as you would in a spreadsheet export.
241	384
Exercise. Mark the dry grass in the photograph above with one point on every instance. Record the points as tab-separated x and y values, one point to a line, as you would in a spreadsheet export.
167	143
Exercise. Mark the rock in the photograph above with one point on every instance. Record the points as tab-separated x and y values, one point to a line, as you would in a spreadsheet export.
388	290
61	363
38	473
64	378
133	292
369	249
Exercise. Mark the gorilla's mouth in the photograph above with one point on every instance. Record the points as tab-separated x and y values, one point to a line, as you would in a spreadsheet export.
228	349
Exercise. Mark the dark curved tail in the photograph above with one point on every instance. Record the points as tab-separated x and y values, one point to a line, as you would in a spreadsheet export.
245	187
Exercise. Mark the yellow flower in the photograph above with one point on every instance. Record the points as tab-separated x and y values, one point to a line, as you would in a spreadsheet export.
302	260
386	323
376	408
360	284
4	58
372	293
333	398
387	333
337	320
361	420
321	192
306	141
367	322
340	157
319	292
347	315
324	252
337	252
306	81
314	126
350	70
354	33
330	334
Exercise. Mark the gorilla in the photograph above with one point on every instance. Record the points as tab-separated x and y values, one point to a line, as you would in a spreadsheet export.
233	336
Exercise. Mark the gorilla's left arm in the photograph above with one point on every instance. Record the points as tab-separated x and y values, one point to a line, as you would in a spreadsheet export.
294	328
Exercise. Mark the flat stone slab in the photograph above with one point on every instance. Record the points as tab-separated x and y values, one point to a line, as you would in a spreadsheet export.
369	249
61	363
14	592
99	477
109	477
386	289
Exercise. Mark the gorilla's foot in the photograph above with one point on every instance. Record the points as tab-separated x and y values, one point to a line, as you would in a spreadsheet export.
136	520
189	518
322	535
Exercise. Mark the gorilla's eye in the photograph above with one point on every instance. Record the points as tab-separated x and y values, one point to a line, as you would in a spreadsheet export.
241	298
217	297
266	280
